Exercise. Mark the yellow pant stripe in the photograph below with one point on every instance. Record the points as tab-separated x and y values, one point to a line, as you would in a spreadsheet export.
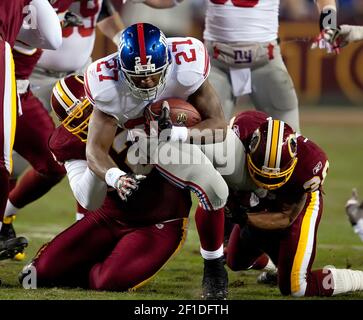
305	233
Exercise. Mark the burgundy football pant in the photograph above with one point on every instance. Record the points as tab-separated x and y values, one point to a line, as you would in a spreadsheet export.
8	111
34	128
292	250
100	252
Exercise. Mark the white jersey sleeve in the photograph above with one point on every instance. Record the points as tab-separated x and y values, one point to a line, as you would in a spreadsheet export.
190	67
47	32
237	21
88	189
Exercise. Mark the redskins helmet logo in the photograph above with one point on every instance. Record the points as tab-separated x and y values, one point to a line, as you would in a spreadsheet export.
181	118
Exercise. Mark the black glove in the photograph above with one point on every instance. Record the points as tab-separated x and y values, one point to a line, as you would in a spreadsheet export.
164	123
237	215
71	20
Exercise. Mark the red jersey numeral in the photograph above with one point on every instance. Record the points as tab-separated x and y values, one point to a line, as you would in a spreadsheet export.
88	9
112	66
238	3
183	54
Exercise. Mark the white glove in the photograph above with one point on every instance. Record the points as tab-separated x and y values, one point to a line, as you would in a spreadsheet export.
353	208
323	41
344	35
128	183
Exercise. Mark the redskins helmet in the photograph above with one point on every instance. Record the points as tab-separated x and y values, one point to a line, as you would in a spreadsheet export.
70	104
143	52
272	154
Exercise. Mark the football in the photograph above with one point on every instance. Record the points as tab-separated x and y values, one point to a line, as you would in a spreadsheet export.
182	113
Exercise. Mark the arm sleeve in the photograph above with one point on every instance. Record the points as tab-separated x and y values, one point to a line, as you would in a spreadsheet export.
46	33
89	190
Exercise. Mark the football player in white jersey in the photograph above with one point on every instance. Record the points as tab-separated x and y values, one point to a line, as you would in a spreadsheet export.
150	67
75	53
242	38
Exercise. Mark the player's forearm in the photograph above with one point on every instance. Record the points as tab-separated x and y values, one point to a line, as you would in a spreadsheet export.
98	161
112	27
269	220
211	130
101	132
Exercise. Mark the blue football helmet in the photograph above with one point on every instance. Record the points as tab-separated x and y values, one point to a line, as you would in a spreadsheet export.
143	52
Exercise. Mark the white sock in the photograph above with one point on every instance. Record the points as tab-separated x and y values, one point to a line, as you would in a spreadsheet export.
270	266
10	209
358	228
79	216
210	255
346	280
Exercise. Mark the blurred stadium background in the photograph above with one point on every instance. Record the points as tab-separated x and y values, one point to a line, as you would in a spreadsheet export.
330	90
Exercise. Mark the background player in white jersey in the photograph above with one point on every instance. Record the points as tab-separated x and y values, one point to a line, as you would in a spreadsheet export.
242	38
344	35
148	67
78	41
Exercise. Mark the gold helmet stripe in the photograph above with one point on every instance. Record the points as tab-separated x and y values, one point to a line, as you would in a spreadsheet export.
268	141
60	100
62	94
274	139
279	148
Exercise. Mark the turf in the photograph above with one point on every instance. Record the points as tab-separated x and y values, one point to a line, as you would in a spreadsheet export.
339	132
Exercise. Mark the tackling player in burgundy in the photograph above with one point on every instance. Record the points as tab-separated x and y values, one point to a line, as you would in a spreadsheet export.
12	14
283	178
120	245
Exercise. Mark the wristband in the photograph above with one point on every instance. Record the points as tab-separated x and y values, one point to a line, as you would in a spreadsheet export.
112	176
179	134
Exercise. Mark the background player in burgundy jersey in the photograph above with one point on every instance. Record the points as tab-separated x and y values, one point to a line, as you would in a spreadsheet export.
35	124
286	172
41	17
122	244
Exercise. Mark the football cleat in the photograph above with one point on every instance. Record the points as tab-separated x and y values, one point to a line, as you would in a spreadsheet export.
268	277
7	232
19	256
11	247
215	280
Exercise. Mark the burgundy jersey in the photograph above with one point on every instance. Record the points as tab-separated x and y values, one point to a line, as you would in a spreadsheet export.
156	200
312	163
25	63
66	146
11	19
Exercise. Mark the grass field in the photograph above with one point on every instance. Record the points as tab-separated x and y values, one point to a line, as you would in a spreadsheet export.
338	131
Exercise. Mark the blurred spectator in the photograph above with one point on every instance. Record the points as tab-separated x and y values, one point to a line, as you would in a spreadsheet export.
174	22
300	10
